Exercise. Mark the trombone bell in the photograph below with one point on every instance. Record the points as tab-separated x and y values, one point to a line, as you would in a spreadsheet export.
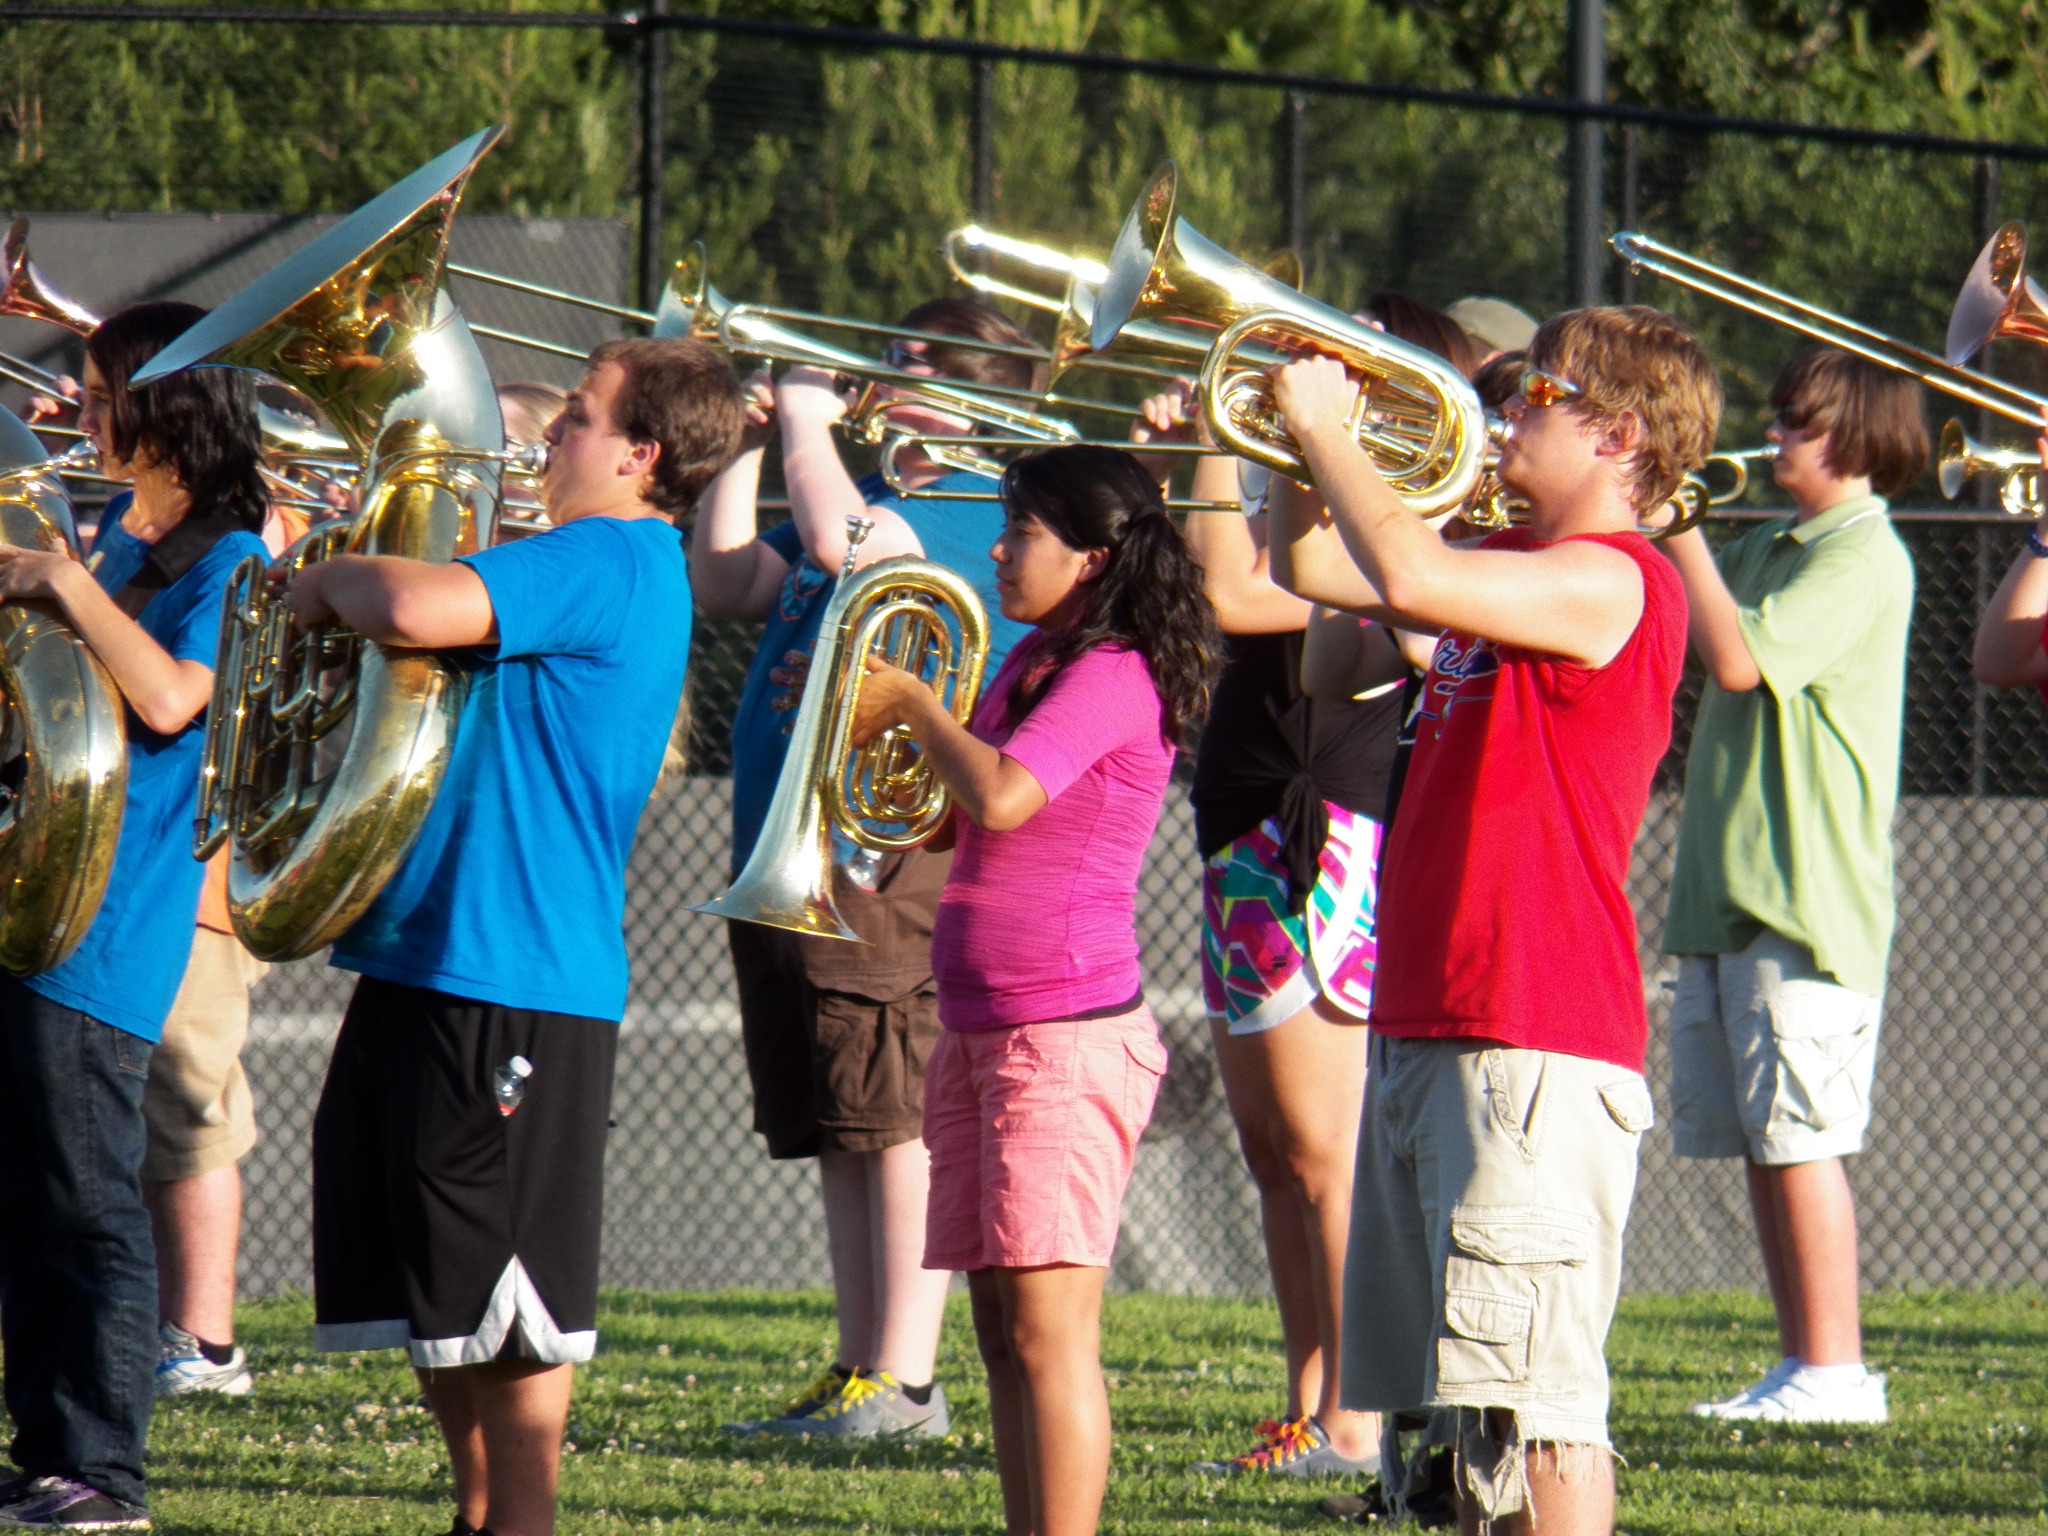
28	295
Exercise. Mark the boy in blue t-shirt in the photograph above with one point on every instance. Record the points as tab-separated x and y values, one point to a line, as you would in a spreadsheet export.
458	1150
78	1302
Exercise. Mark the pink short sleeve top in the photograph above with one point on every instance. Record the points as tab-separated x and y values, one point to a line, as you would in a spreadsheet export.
1040	923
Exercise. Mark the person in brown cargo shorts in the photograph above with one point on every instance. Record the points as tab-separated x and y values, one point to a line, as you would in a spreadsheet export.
837	1034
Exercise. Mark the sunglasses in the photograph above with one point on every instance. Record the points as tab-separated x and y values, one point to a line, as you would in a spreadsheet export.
1542	389
899	354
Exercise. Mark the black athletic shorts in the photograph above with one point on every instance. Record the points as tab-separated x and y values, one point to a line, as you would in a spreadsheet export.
441	1223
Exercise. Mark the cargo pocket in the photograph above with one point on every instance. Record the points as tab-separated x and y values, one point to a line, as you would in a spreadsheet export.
1148	1062
1629	1104
1490	1289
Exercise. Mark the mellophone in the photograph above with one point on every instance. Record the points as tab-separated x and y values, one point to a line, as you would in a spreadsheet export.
323	752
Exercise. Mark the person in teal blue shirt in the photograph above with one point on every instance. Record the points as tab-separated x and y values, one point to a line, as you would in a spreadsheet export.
458	1149
837	1034
77	1268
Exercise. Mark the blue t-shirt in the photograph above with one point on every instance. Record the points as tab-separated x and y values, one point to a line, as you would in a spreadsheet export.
126	970
955	534
515	892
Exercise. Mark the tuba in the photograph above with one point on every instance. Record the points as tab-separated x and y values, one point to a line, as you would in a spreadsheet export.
1417	417
63	744
323	750
916	615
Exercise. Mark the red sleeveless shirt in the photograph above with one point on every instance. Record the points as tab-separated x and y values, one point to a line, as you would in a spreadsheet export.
1504	910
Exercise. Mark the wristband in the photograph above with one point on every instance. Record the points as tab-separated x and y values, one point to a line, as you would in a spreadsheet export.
2038	549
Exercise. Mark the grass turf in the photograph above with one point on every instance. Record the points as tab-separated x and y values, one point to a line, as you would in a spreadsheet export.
334	1444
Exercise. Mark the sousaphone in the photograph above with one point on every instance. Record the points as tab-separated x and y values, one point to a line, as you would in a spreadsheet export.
63	745
324	750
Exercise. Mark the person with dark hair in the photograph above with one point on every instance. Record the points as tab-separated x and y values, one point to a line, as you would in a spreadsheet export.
78	1302
1426	327
1781	901
458	1148
1505	1100
1045	1075
837	1035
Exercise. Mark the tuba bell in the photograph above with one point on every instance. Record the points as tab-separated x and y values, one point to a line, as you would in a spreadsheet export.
63	744
1417	417
324	751
916	615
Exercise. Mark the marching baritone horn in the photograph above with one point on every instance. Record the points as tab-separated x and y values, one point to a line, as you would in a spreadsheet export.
1417	417
63	743
323	751
914	614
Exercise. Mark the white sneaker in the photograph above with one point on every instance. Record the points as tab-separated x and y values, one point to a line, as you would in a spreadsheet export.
1811	1396
1774	1378
182	1368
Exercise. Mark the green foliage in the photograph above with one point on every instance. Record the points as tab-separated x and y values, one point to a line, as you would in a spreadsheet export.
330	1444
826	177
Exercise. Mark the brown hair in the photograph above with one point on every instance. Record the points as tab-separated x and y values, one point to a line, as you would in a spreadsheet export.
977	322
1426	327
1499	379
1641	362
1871	415
680	396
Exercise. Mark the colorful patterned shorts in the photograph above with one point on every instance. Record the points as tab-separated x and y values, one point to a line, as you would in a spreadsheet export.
1262	964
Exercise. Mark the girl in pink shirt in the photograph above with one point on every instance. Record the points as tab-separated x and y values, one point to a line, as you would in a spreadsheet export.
1039	1089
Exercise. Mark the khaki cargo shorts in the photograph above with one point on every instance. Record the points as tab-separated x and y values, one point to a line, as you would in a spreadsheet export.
196	1104
1485	1257
1771	1058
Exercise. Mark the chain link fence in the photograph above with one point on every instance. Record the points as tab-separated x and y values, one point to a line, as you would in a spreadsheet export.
823	173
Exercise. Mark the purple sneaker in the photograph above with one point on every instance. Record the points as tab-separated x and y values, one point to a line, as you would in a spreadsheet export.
62	1504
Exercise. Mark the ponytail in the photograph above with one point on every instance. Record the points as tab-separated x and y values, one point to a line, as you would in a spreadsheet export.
1149	597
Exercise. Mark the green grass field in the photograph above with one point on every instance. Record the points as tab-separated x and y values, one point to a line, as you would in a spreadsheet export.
333	1444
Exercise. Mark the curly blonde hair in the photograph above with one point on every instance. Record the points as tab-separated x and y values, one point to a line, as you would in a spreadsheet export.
1638	361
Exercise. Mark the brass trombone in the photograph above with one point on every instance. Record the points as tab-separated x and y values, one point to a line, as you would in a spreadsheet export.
1961	457
1937	372
26	294
976	455
1998	298
1417	416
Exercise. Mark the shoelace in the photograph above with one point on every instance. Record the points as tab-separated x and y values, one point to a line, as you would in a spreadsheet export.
819	1392
1278	1444
858	1389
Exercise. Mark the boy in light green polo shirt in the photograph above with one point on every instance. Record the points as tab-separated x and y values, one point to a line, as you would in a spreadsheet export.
1781	903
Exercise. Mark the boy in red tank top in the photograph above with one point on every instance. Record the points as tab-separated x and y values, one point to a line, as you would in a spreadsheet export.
1505	1100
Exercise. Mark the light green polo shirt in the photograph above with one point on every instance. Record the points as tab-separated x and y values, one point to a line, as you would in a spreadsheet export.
1790	787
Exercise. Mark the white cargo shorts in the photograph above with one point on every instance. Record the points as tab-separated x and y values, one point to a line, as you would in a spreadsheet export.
1771	1058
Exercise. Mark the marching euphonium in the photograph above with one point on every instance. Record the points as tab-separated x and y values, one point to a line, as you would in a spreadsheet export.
916	615
323	751
63	745
1417	417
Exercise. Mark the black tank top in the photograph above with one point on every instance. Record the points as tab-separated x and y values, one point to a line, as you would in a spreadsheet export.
1269	750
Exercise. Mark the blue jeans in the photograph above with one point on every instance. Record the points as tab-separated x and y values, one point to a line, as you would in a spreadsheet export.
77	1267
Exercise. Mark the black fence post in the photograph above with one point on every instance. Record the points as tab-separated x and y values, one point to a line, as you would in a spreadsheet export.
1985	187
984	139
1631	198
653	149
1585	226
1296	211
